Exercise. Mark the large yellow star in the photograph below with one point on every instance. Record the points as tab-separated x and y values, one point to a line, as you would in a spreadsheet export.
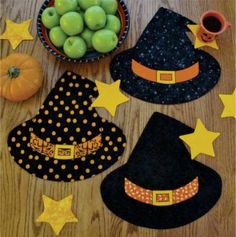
199	42
200	141
229	102
16	33
57	213
109	96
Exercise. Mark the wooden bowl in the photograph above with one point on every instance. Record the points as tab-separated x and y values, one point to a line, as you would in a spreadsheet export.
92	55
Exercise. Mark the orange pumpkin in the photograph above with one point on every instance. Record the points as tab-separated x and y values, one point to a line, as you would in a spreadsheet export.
21	77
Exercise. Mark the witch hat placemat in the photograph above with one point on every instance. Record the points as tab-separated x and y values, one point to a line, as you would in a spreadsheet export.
160	186
67	140
164	67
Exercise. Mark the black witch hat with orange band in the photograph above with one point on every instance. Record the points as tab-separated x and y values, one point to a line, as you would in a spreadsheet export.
160	186
163	67
67	140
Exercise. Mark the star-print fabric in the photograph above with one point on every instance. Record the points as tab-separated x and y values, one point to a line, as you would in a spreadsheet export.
67	140
165	46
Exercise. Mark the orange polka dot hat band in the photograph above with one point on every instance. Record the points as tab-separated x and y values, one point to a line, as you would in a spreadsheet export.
67	140
161	197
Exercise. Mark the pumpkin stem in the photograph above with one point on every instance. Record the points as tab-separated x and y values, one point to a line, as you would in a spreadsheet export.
13	72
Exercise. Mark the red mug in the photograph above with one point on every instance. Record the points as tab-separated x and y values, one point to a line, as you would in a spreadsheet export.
212	24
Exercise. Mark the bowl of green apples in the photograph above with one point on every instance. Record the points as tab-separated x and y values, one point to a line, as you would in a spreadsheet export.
82	31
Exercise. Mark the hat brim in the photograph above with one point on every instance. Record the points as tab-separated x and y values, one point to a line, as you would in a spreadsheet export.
161	93
164	217
65	170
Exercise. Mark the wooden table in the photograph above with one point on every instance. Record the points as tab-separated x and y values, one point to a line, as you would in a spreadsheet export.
21	194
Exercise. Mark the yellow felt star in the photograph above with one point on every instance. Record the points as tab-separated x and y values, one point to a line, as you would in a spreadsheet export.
109	96
199	42
16	33
201	140
229	102
57	213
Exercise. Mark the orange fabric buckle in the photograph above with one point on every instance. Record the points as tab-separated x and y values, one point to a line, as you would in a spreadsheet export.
166	77
158	198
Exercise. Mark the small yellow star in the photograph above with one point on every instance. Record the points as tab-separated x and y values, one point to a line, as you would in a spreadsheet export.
199	42
229	102
16	33
109	96
200	141
57	213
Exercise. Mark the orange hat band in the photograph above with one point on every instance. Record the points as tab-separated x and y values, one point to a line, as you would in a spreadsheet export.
161	197
65	152
165	77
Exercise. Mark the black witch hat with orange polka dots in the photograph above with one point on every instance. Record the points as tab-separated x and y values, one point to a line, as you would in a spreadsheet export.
160	186
67	140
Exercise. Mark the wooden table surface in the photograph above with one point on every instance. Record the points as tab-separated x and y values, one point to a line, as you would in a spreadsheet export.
21	193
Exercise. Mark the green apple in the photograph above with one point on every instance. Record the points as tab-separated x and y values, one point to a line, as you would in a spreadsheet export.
104	40
113	23
72	23
85	4
57	36
109	6
87	35
64	6
50	17
95	18
75	47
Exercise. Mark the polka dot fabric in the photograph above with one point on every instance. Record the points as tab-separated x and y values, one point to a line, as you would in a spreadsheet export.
165	45
146	196
67	118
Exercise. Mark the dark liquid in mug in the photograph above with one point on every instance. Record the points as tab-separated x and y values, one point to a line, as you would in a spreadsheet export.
212	24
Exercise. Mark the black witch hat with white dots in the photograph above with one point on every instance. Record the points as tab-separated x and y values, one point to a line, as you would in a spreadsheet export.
67	140
164	67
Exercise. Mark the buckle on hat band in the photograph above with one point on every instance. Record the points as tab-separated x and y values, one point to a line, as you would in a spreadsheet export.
166	77
64	152
161	194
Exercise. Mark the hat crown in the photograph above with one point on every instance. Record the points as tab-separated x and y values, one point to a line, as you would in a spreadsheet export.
67	111
165	40
160	156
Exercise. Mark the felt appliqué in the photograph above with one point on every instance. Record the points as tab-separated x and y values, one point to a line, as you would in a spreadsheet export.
201	140
165	47
160	186
109	96
199	42
16	33
57	213
229	101
67	140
